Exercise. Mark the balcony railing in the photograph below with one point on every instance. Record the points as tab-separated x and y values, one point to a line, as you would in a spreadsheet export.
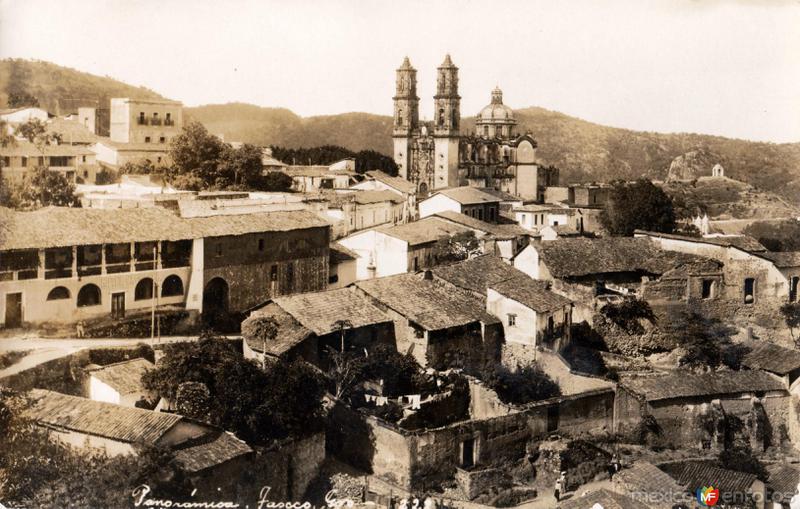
155	121
142	121
169	122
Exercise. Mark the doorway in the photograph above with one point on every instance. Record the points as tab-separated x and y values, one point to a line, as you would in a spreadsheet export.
118	305
468	453
13	310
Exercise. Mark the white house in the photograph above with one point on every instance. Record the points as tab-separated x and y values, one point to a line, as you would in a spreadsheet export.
470	201
16	116
391	250
377	180
119	383
531	314
343	268
535	217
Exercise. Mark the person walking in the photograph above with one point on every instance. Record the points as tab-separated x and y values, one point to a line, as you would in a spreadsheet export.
561	484
80	330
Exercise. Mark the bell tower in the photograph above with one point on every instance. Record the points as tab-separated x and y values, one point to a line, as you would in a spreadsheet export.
406	116
447	118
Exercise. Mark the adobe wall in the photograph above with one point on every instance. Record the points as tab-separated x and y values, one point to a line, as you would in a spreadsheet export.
289	469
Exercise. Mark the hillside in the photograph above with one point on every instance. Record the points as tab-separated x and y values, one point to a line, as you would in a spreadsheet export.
723	199
61	90
584	151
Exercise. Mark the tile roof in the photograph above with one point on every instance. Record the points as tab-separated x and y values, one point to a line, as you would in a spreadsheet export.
28	230
125	377
695	475
426	302
650	481
505	231
783	479
679	384
398	183
771	357
467	195
317	170
504	196
423	231
71	131
319	311
543	207
224	448
601	498
290	332
479	273
28	149
573	257
743	242
531	293
367	197
82	415
783	259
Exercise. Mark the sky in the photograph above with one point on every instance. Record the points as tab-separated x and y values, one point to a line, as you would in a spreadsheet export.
730	68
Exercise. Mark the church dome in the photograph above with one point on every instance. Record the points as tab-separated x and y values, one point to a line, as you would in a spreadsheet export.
496	111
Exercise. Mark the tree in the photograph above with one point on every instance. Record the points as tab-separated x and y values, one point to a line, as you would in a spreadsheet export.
776	235
239	168
637	205
105	176
193	399
196	153
276	181
521	386
628	314
706	341
42	188
791	315
346	370
258	405
456	248
262	329
19	78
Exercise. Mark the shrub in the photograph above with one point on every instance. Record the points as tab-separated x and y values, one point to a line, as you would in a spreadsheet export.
524	385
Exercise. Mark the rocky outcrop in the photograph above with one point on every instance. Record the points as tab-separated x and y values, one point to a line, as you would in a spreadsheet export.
692	164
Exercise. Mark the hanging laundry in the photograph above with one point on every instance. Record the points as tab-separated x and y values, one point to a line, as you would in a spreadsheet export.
381	400
414	399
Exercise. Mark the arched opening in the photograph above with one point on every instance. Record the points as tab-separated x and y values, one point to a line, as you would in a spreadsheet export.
89	295
400	117
172	286
423	188
441	117
144	289
58	293
215	303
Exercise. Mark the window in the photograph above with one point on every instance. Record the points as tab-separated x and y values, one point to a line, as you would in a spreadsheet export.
24	162
89	295
441	117
168	120
400	118
486	130
162	140
6	162
219	249
58	293
144	289
86	174
260	244
512	320
172	286
749	290
416	263
273	273
333	278
793	288
707	291
147	139
142	120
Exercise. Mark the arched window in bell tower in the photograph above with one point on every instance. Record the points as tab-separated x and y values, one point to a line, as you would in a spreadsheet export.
441	117
399	117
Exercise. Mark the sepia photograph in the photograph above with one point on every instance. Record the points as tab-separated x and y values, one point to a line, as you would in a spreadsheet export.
410	254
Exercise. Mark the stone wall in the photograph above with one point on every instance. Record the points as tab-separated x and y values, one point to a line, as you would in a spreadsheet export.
475	482
289	469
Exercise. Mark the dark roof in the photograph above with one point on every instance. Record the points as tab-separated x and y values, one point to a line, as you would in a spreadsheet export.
426	302
467	195
423	231
495	230
479	273
82	415
340	253
76	226
783	478
679	384
531	294
290	332
783	259
605	498
201	457
695	475
125	377
742	242
398	183
574	257
647	479
319	311
771	357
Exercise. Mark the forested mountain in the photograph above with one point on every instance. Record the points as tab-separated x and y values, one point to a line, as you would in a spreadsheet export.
584	151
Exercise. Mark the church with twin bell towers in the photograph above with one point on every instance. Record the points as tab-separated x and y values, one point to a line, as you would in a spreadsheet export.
436	155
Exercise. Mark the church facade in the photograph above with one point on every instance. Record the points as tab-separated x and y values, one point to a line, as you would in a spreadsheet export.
437	155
